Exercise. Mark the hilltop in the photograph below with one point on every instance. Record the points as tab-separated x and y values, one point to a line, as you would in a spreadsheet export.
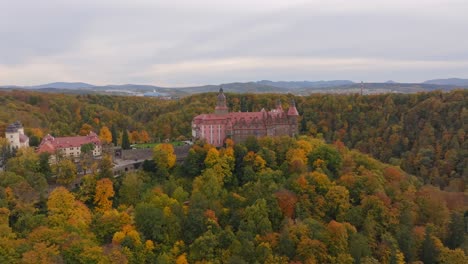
264	86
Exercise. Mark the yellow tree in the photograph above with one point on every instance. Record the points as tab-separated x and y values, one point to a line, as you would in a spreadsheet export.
338	203
105	135
104	192
163	155
212	157
254	160
60	206
182	259
297	159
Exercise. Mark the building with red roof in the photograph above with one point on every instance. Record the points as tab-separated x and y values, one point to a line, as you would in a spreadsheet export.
70	146
222	124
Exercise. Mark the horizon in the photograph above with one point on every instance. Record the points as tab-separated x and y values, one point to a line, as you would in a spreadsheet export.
182	43
218	84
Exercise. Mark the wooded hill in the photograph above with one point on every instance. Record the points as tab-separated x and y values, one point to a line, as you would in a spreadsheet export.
274	200
424	133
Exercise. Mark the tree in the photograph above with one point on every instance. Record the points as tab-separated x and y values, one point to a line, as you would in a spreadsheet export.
338	203
105	167
131	190
114	135
163	155
256	219
430	252
456	232
42	254
105	135
326	158
61	206
87	148
125	140
297	160
287	202
85	129
44	165
104	192
66	172
134	137
144	137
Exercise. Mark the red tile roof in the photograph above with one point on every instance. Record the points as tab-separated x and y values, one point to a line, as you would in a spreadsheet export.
51	144
292	111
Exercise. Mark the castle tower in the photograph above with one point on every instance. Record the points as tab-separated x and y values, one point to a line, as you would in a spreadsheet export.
292	116
221	107
14	133
279	107
292	111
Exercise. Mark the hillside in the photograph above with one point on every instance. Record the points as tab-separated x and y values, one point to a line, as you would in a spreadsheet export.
271	200
450	81
306	84
423	133
274	200
265	86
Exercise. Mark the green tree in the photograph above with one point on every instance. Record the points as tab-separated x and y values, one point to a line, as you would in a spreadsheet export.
256	219
114	134
327	158
66	172
456	230
125	140
429	252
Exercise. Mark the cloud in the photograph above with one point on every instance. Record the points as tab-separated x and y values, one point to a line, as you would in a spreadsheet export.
196	42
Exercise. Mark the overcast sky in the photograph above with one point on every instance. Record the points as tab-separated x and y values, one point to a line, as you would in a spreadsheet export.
194	42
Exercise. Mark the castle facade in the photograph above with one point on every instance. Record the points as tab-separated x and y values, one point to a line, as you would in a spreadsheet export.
69	146
14	133
222	124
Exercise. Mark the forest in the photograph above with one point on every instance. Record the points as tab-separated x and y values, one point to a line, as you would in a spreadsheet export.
372	179
424	133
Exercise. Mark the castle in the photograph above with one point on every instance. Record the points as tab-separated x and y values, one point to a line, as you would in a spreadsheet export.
69	146
14	133
215	128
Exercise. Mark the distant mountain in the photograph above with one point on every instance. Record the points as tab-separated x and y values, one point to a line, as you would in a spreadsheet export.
265	86
449	81
249	87
63	85
306	84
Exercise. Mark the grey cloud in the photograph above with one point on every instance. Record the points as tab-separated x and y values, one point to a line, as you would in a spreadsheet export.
121	41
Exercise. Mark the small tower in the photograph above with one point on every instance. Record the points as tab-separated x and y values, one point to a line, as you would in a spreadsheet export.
362	87
292	116
221	107
14	133
279	107
292	111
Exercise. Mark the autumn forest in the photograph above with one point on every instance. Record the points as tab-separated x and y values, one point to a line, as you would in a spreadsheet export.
370	179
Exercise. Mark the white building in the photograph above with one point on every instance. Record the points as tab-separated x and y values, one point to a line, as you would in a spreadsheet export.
14	133
70	146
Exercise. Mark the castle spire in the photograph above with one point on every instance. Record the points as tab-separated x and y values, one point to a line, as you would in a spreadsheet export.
221	107
279	107
292	111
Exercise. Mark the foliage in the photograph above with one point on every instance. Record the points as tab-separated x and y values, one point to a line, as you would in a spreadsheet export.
270	200
163	155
